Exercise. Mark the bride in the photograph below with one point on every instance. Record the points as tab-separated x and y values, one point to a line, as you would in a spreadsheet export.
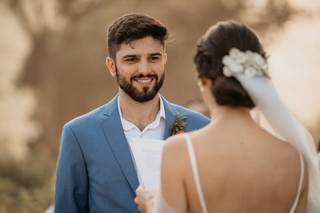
234	165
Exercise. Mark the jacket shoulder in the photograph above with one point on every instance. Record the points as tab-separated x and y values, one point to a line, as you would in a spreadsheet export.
92	117
95	114
190	114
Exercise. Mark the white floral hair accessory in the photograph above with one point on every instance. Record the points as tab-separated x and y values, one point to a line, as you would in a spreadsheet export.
248	63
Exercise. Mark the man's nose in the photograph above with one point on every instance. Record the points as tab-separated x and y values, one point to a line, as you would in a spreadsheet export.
144	67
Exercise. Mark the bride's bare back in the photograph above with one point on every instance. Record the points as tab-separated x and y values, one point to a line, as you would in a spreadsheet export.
242	168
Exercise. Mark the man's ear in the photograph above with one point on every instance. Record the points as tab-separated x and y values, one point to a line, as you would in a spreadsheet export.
111	65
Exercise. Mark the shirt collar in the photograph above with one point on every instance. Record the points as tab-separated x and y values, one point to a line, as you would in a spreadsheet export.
127	125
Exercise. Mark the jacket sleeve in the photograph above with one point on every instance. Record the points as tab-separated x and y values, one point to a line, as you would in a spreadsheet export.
71	194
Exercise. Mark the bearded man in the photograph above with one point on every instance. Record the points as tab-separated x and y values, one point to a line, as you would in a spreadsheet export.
96	171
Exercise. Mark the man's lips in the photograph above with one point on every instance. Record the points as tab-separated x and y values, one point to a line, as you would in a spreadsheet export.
144	80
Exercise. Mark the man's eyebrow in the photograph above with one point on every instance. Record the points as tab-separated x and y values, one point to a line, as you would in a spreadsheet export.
155	54
129	56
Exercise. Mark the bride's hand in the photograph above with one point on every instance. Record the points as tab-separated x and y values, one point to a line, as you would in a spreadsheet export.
144	199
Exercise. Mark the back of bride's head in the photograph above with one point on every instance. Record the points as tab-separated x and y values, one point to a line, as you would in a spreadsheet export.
212	47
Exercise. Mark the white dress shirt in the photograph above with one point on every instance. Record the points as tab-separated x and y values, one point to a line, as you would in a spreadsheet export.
154	130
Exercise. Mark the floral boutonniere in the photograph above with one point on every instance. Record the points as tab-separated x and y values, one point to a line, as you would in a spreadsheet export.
178	125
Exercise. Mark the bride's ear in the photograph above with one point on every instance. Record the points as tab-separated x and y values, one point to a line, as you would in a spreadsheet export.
204	83
206	93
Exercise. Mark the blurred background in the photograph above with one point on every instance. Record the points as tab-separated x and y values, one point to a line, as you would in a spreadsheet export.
52	69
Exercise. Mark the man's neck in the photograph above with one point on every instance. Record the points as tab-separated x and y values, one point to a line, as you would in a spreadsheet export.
140	114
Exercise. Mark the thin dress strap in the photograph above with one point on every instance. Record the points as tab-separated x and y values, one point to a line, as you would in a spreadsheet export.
296	201
195	172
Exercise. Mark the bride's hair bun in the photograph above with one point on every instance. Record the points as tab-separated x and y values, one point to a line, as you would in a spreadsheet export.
212	47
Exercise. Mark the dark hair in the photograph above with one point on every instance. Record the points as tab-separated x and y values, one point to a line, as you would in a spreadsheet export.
132	27
212	47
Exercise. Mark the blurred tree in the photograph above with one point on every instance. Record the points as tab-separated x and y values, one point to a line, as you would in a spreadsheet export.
30	25
28	32
17	129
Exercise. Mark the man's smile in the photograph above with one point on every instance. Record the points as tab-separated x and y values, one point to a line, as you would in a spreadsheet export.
144	80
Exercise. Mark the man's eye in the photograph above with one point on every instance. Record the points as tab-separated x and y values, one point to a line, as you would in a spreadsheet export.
155	58
130	59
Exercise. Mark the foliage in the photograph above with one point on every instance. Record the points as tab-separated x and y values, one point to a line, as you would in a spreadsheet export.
25	187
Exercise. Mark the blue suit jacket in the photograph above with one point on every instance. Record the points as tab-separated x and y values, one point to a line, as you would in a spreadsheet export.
95	171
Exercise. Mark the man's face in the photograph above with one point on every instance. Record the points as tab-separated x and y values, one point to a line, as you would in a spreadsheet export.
140	68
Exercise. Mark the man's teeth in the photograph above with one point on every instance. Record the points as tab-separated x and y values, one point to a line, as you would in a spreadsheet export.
144	80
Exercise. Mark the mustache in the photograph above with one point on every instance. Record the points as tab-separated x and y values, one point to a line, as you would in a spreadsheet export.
151	75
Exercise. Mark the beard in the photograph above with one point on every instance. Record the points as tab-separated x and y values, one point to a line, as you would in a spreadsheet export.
147	93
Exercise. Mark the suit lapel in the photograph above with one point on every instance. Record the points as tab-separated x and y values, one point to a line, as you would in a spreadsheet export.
113	131
170	116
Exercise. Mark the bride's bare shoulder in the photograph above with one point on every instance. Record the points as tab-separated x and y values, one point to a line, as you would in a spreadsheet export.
278	144
174	156
174	144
